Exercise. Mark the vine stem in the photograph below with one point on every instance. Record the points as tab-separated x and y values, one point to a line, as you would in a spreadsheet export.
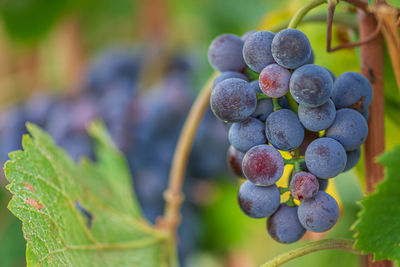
173	195
337	243
303	11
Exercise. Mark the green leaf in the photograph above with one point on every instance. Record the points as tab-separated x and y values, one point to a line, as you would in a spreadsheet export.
51	195
378	225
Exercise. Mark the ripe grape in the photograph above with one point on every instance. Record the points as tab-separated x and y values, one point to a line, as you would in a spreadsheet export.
246	134
349	128
235	158
258	201
311	85
284	225
257	50
352	158
247	35
233	100
255	86
304	185
225	53
263	165
274	80
352	90
325	158
318	118
227	75
283	129
291	48
318	214
264	108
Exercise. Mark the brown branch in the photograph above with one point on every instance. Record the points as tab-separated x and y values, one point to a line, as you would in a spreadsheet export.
372	68
329	22
173	195
387	16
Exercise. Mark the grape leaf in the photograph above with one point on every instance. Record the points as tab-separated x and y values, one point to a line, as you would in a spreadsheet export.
378	224
80	215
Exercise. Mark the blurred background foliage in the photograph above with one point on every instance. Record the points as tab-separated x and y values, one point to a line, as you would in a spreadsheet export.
48	46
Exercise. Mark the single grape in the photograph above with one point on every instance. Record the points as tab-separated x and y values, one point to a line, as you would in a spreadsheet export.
263	165
257	50
311	85
284	225
227	75
291	48
349	128
282	101
247	35
352	158
318	118
323	184
318	214
246	134
258	201
325	158
264	108
283	129
233	100
274	80
225	53
256	86
235	158
352	90
303	185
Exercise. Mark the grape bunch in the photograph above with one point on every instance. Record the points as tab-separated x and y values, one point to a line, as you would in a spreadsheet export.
276	100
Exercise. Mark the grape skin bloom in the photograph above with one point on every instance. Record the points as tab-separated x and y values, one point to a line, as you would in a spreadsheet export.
225	53
318	118
311	85
257	50
263	165
283	130
318	214
291	48
349	128
233	100
274	81
258	201
284	225
247	134
325	158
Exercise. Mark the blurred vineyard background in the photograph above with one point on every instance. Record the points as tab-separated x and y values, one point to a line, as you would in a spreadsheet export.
138	66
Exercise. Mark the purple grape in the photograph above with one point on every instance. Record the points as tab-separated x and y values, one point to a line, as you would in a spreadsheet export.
258	201
247	35
352	159
318	214
304	185
274	81
325	158
349	128
352	90
235	158
256	86
233	100
311	85
284	225
263	165
283	130
257	50
225	53
227	75
291	48
264	108
318	118
246	134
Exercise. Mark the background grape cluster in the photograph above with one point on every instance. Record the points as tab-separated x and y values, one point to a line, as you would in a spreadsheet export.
276	99
145	124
